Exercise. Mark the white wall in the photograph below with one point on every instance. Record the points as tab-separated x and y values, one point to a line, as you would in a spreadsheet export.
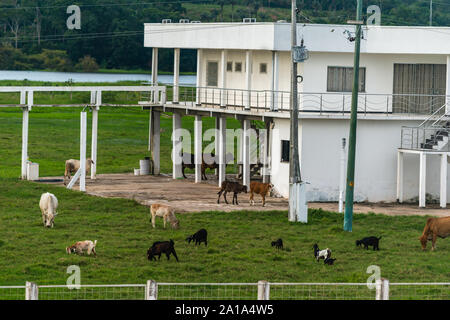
376	160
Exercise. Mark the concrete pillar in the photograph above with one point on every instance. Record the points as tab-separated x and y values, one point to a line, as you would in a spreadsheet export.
155	67
423	179
156	141
94	142
223	78
248	77
176	146
222	148
447	92
246	154
25	117
264	151
83	130
198	148
151	290
176	75
443	195
199	75
400	176
275	79
216	142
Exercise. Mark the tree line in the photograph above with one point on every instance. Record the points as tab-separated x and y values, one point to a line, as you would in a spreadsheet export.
34	35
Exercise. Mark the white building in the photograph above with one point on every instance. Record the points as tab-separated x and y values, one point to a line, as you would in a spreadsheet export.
243	71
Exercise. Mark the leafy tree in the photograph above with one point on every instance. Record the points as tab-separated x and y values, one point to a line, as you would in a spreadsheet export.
87	64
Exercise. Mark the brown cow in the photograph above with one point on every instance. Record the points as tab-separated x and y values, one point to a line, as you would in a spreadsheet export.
435	227
259	188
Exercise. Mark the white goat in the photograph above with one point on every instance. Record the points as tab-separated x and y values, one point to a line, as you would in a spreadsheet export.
72	166
48	205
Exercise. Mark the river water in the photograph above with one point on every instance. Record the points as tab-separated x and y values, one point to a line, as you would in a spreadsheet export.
90	77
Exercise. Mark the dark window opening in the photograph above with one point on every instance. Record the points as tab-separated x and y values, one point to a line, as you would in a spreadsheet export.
285	148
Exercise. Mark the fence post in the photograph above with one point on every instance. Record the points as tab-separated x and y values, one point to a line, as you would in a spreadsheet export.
382	289
31	291
263	290
151	290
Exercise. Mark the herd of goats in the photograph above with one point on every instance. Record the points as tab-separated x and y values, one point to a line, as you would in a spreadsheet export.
435	227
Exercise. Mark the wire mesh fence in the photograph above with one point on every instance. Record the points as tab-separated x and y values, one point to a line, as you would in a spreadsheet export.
12	292
321	291
207	291
93	292
419	291
231	291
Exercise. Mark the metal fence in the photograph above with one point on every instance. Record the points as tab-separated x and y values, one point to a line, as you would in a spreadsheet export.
319	102
262	290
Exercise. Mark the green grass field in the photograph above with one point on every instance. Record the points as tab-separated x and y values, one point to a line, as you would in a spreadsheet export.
239	243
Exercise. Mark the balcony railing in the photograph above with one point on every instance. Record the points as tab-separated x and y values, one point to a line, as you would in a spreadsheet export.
329	102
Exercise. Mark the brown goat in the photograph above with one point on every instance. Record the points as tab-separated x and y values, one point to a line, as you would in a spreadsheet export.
259	188
231	186
189	162
160	247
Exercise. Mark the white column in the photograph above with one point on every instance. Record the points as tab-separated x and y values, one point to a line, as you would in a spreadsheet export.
223	78
275	79
176	146
176	75
25	117
248	77
342	177
222	148
156	142
263	154
198	148
216	141
94	143
400	157
155	67
443	196
423	179
83	126
199	75
447	92
246	154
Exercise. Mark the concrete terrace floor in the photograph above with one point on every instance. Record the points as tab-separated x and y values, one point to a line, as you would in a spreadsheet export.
187	196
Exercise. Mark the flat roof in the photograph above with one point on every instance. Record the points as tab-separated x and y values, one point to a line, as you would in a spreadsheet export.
275	36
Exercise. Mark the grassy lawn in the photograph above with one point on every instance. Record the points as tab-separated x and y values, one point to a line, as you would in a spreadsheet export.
238	251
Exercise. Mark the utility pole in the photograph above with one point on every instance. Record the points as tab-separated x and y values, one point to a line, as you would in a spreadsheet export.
431	13
349	195
298	210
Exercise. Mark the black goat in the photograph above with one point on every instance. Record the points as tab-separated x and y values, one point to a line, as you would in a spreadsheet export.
160	247
199	237
231	186
278	244
369	241
329	261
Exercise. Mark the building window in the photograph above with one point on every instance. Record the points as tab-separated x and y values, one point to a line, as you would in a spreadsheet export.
238	66
285	147
263	68
229	66
340	79
212	74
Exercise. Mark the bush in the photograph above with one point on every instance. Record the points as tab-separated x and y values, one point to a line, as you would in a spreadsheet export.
13	59
87	64
56	60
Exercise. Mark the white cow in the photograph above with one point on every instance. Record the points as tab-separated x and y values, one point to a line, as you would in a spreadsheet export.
48	205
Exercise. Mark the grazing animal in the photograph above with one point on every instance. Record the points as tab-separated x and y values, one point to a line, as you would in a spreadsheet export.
329	261
160	247
72	166
208	162
261	189
369	241
321	254
199	237
48	205
80	246
166	212
278	244
435	227
231	186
